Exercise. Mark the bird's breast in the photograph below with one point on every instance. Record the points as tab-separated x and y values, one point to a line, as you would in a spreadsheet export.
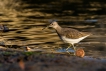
72	41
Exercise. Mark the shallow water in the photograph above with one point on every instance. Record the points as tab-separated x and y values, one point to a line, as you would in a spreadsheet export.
26	25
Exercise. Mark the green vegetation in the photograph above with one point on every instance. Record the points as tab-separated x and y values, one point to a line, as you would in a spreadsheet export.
28	53
7	53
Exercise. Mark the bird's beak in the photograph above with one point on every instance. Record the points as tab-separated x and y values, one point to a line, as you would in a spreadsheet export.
45	27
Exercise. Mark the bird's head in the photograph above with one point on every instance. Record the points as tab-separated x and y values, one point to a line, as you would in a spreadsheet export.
52	24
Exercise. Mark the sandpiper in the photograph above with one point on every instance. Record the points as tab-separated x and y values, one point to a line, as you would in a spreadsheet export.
68	35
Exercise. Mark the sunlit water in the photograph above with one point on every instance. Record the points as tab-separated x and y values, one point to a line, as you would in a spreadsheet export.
26	27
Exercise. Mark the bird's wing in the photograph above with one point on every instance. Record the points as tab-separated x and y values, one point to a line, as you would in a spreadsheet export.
72	33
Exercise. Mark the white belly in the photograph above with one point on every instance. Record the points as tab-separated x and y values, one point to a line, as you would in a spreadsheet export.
72	41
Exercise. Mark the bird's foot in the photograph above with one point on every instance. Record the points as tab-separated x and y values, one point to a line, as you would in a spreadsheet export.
70	53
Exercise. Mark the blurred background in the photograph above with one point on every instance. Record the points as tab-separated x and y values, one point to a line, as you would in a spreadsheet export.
26	19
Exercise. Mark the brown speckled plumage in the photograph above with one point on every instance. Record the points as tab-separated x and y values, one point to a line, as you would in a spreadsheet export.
71	33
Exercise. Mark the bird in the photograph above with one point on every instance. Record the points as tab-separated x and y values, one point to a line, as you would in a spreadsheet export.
3	28
68	35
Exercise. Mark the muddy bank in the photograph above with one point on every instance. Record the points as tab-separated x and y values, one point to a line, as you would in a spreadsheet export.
13	60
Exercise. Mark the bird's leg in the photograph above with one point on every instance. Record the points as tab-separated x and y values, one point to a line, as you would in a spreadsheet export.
69	46
74	47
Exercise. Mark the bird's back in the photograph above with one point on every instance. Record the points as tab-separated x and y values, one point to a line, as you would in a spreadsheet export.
72	33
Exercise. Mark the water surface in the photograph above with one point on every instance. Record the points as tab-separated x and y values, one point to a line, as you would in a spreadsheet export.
26	25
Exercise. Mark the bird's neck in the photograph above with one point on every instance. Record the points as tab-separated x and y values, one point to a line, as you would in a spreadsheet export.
58	29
